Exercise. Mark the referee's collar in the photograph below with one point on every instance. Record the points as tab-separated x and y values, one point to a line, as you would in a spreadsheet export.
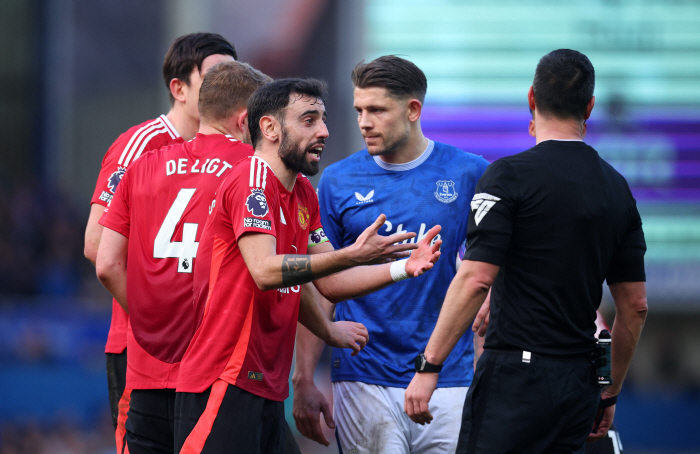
407	165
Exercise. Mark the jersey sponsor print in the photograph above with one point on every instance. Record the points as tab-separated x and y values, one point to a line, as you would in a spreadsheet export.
161	205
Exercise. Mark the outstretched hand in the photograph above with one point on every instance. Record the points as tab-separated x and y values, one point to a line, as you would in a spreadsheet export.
350	335
371	248
425	255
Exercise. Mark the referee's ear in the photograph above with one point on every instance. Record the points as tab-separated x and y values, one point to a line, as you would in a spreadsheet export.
589	107
415	107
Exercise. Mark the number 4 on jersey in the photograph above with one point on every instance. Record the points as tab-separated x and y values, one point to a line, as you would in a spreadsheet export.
184	251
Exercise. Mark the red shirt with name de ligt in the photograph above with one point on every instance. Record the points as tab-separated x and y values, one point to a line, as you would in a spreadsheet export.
161	206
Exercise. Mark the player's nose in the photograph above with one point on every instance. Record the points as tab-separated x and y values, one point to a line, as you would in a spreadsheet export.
363	121
322	132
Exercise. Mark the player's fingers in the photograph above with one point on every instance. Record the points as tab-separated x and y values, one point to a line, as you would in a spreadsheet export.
379	222
303	425
423	268
482	329
354	347
425	411
436	246
328	415
400	237
361	340
317	433
432	233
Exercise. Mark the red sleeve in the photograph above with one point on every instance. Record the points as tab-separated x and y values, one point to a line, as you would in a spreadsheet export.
110	175
252	199
117	217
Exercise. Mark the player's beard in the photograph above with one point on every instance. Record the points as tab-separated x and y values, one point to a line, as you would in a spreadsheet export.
294	157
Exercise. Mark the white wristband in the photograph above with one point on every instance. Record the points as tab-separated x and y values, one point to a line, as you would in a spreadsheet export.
398	270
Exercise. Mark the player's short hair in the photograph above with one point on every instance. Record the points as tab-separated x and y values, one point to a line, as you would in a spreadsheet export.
564	83
402	78
226	88
272	99
189	51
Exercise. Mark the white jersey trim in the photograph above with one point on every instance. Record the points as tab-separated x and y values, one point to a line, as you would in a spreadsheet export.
407	165
171	129
258	172
141	137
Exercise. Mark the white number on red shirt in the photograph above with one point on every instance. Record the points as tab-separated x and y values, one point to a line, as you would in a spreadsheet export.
184	250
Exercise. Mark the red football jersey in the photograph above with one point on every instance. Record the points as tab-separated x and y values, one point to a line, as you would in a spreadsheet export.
246	336
147	136
161	206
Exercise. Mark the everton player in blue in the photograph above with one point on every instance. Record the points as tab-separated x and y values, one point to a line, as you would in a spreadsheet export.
417	183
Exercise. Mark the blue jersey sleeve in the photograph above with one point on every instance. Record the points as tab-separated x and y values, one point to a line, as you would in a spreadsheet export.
329	217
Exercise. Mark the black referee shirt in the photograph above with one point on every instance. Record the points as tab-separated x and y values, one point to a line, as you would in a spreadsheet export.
559	221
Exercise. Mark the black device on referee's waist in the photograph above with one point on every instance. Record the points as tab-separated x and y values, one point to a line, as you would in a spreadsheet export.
604	358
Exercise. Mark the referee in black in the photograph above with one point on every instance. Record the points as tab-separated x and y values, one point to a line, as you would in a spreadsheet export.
547	226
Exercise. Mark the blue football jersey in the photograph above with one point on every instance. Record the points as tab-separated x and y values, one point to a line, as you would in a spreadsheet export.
436	188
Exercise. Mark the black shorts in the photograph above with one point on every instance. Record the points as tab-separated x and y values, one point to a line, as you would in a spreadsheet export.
610	444
227	419
116	382
546	405
150	421
119	396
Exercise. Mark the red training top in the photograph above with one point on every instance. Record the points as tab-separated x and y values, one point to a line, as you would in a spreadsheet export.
161	206
147	136
246	336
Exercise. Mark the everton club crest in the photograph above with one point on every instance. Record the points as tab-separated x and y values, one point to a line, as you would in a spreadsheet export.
446	191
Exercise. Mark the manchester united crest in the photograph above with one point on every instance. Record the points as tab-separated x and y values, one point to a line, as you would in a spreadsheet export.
303	217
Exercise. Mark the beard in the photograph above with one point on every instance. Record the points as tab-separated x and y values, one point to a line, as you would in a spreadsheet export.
294	157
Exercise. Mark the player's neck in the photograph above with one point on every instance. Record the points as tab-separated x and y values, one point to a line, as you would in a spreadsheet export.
206	128
184	125
410	150
286	176
555	129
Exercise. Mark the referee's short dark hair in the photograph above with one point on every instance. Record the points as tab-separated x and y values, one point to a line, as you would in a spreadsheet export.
189	51
564	83
402	78
226	88
272	99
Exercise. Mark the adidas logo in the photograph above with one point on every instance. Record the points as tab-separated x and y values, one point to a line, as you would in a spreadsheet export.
365	199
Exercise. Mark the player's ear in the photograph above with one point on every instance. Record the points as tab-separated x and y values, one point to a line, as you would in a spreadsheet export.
415	107
270	128
178	89
242	120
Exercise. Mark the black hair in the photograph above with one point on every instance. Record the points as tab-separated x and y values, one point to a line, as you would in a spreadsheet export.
564	83
400	77
188	52
273	98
